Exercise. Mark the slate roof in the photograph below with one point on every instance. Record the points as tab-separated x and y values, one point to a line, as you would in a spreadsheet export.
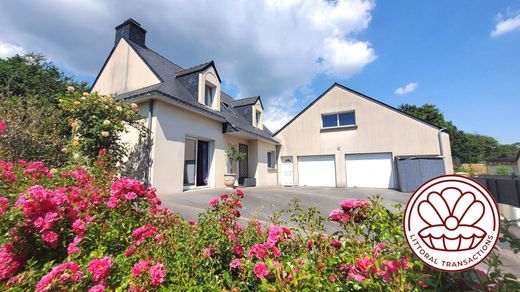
171	87
245	101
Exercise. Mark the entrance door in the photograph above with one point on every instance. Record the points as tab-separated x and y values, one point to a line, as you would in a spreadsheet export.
287	171
243	166
196	163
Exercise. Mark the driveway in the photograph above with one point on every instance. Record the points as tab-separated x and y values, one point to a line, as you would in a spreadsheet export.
260	203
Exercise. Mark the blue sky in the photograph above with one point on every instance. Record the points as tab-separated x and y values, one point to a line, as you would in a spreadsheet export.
462	56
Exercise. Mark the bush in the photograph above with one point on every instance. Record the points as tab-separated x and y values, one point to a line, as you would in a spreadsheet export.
503	170
79	229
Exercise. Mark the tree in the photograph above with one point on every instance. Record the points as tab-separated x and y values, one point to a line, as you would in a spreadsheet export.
36	127
469	148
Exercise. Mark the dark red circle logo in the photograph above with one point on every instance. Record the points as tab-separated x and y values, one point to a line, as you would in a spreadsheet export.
451	223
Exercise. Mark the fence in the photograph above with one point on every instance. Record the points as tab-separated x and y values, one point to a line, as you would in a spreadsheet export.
477	168
505	190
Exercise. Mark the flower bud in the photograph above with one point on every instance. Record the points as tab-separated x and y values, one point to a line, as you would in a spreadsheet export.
105	134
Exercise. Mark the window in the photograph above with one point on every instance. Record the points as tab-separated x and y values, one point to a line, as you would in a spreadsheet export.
209	95
271	159
258	116
338	120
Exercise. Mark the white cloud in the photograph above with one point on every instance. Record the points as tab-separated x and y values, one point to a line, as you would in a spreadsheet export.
9	50
407	89
506	25
268	48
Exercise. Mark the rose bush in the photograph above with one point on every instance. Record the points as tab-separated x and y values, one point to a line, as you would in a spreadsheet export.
79	229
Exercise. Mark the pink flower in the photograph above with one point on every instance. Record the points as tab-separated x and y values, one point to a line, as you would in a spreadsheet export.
157	273
336	243
66	272
274	233
130	196
356	277
332	278
224	196
97	288
191	222
112	203
9	262
235	263
238	249
213	202
239	192
100	268
378	248
261	270
140	267
208	251
336	215
366	265
349	204
2	128
79	227
50	237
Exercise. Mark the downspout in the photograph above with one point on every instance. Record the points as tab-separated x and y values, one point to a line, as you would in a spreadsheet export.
148	157
439	135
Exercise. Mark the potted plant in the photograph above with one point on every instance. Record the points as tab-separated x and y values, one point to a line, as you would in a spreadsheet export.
233	155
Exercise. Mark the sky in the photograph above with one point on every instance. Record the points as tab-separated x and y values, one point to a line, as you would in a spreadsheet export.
463	56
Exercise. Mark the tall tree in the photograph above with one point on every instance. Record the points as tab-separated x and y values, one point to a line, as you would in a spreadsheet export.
35	125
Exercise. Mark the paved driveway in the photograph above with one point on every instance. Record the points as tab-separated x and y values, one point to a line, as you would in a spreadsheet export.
261	203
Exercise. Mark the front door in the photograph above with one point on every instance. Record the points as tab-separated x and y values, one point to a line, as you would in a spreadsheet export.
287	171
243	166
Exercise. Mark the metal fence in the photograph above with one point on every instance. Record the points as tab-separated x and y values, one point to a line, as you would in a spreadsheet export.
505	190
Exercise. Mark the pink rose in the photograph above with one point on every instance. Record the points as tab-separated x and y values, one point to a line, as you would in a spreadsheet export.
50	237
140	267
97	288
157	273
336	243
336	215
213	202
261	270
235	263
100	268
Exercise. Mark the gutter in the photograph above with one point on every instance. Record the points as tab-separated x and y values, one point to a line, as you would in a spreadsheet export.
439	136
149	143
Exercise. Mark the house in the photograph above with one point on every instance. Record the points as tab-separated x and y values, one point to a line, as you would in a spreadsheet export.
342	139
512	164
191	120
347	139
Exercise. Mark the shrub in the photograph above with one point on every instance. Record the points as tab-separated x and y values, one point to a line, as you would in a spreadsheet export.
97	122
503	170
78	229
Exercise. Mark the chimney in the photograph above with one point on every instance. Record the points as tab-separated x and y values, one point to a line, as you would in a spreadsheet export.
131	30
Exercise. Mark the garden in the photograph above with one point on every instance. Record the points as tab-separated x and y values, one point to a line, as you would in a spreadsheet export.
70	219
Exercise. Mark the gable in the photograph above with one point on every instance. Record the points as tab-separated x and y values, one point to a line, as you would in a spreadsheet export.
124	71
338	98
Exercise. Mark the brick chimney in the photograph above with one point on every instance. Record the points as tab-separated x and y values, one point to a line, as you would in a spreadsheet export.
131	30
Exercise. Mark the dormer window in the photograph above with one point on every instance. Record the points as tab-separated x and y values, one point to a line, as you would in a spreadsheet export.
209	95
258	117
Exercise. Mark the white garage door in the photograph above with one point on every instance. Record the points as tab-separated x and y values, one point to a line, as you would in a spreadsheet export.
370	170
316	171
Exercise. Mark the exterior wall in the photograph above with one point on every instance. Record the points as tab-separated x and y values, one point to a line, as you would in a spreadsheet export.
379	129
174	124
125	71
258	152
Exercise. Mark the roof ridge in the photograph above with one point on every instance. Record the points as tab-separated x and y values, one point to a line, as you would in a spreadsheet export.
205	63
153	51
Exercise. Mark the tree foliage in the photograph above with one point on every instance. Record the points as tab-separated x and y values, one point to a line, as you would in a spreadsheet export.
468	147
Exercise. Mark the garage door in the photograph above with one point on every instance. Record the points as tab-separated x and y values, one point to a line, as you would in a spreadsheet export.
316	171
373	170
